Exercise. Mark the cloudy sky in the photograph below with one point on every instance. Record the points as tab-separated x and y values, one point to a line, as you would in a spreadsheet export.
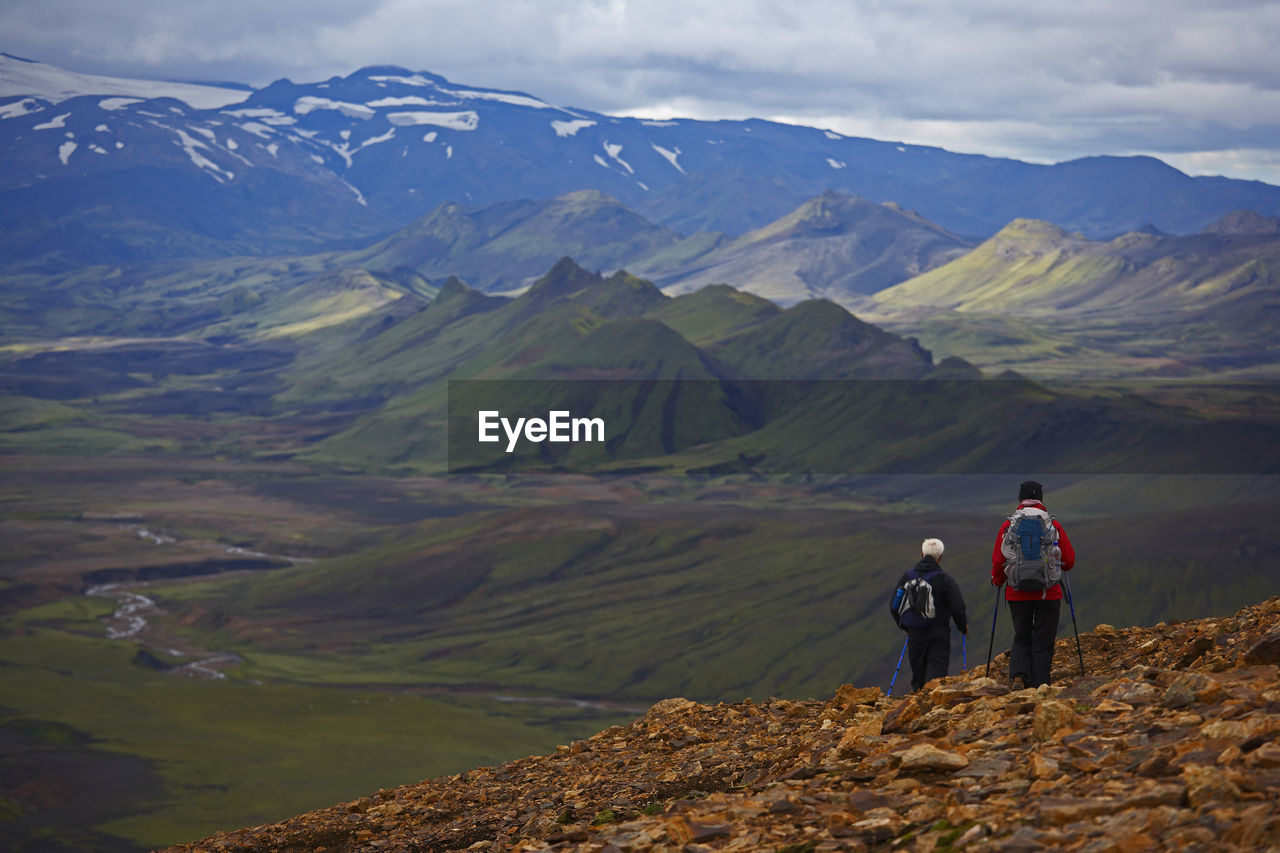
1194	83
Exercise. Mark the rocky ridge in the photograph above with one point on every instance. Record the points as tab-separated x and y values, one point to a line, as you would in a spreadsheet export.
1170	741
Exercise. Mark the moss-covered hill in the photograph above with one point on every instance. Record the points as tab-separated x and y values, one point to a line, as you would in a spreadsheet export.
1170	741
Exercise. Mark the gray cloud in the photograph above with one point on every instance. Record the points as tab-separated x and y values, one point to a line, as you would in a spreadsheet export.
1194	83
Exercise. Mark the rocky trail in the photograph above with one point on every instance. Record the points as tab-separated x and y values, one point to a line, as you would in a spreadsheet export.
1170	742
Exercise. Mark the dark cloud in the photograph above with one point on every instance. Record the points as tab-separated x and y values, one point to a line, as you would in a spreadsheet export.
1192	82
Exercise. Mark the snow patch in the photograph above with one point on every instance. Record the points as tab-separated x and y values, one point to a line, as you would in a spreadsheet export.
343	150
206	133
415	80
273	149
97	149
190	145
900	148
54	123
259	130
670	156
651	123
310	103
20	108
467	120
374	140
360	196
119	145
102	128
569	128
232	144
430	137
346	134
65	150
55	84
502	97
264	113
613	151
832	135
836	164
448	152
410	101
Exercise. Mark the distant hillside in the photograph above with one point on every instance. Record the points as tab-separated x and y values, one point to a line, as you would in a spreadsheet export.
573	325
1168	741
834	246
508	245
706	380
1035	268
1142	302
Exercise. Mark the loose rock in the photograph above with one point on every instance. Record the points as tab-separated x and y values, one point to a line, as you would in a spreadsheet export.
1176	748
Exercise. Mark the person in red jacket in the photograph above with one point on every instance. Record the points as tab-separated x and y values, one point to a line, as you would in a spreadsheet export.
1034	614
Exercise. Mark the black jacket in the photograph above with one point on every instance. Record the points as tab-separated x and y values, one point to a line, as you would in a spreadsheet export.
948	603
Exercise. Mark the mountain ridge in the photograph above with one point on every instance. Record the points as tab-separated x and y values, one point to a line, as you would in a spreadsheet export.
834	246
384	146
1168	304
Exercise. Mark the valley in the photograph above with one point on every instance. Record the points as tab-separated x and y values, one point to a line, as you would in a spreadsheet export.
419	609
251	565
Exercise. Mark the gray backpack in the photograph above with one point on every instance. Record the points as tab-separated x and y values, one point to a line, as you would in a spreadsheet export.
1033	561
916	609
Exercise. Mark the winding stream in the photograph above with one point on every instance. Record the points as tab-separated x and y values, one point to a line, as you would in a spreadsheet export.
129	619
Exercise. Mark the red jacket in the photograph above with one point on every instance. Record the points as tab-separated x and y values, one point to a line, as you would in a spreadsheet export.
1054	592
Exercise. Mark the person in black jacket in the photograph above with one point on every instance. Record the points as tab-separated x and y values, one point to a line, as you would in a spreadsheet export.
929	634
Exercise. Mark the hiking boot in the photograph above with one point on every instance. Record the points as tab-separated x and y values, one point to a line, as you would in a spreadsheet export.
1016	683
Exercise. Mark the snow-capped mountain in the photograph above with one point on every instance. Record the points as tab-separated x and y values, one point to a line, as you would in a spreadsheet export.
160	169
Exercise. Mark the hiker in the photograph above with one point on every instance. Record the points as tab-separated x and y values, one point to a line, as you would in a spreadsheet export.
925	600
1031	553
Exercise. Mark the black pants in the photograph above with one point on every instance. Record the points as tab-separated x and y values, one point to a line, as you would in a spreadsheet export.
929	650
1035	627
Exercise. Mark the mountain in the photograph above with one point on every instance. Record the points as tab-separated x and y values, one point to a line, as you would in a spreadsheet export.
1166	740
1206	301
572	325
1035	268
38	82
128	171
835	246
364	369
507	245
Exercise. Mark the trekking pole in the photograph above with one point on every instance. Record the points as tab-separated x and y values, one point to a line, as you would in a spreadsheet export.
992	644
964	652
898	667
1066	586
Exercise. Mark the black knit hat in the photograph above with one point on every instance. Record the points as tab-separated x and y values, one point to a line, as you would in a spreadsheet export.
1031	491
